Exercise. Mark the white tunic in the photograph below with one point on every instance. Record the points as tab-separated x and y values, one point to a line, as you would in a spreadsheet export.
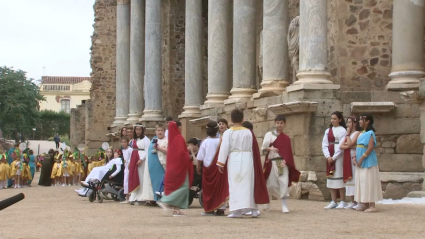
277	185
336	180
237	145
207	150
147	194
350	184
99	172
127	155
143	145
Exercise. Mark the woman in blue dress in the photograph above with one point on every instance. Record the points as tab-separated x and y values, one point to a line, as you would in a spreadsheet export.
368	183
32	166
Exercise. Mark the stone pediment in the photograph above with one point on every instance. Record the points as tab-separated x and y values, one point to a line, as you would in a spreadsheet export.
295	107
372	107
202	122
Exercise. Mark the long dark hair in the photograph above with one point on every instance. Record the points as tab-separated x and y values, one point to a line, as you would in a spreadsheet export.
355	120
122	129
134	131
367	116
340	117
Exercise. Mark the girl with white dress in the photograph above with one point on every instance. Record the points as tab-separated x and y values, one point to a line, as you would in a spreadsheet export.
334	159
349	143
126	151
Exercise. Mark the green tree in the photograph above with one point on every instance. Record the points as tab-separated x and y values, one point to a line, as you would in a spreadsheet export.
52	122
19	103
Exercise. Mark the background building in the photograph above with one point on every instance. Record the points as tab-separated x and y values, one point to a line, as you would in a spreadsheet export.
64	93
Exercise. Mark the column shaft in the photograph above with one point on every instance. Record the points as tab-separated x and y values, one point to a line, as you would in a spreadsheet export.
153	76
123	62
313	47
275	47
193	58
244	50
407	54
219	52
137	60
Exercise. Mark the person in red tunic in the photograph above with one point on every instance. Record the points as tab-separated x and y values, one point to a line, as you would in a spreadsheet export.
179	173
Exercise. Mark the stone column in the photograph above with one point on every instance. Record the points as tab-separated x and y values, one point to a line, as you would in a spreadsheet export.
219	52
275	47
407	55
313	48
137	60
123	62
193	59
153	70
244	51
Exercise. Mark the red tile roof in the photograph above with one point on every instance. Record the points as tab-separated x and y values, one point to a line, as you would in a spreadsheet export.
63	79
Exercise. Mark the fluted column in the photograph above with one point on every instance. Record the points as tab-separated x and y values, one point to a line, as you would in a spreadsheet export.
193	59
123	62
313	48
407	54
275	47
137	60
219	52
244	50
153	80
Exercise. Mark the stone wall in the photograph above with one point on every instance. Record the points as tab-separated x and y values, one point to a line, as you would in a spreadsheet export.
78	129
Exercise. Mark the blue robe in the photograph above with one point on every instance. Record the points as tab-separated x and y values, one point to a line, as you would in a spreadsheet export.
156	171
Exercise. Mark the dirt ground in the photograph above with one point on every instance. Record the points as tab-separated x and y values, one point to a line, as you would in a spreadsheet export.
57	212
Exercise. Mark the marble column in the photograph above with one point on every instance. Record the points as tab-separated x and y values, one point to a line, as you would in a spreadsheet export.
219	52
153	69
137	60
275	47
123	62
313	47
407	54
193	59
244	51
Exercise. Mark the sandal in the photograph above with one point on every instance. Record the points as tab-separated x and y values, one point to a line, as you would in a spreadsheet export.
372	209
178	213
361	207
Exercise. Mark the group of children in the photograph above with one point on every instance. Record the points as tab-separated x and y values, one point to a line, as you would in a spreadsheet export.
20	171
68	168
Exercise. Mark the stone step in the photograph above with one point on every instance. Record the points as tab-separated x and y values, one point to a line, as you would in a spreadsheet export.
416	194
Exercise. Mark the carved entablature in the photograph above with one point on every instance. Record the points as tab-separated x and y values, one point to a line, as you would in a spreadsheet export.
202	122
295	107
372	107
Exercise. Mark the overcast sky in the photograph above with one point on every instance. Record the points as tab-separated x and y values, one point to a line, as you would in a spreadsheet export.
54	34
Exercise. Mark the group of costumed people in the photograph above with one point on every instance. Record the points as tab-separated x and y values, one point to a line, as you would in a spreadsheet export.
227	164
17	168
352	165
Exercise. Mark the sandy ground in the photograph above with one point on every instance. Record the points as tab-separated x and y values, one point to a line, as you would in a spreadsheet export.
57	212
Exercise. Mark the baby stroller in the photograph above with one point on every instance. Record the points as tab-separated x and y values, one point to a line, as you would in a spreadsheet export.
109	189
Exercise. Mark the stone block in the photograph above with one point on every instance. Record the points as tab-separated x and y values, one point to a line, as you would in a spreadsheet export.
388	144
401	177
400	163
316	195
261	128
305	187
395	191
404	111
308	145
392	96
318	125
303	176
355	96
295	191
416	194
327	107
306	163
312	177
296	124
391	125
409	144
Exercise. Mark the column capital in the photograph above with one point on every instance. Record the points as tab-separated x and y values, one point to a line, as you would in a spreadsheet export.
123	1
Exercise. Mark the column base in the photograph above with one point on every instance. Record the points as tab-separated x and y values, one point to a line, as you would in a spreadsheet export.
240	95
405	80
271	88
190	112
133	118
214	100
119	121
313	77
152	115
299	87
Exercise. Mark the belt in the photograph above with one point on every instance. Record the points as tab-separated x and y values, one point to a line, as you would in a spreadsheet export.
275	159
333	142
138	150
360	146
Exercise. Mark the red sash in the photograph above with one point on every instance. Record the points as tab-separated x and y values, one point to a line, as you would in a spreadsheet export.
133	174
283	144
261	195
347	170
179	165
330	167
215	185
